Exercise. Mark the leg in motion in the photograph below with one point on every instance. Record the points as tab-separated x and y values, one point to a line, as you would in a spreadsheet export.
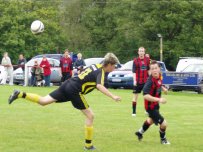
31	97
88	129
144	128
162	133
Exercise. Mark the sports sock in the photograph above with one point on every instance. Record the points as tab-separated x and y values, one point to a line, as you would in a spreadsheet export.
29	96
88	136
162	133
144	127
134	103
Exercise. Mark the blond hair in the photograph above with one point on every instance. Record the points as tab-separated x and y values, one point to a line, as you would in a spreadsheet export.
79	55
110	58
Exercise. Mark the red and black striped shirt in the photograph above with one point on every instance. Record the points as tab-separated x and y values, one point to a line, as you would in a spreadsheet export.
153	88
66	64
141	67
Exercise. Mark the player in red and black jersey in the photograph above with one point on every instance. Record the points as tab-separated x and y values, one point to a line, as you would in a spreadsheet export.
74	90
152	98
140	75
66	65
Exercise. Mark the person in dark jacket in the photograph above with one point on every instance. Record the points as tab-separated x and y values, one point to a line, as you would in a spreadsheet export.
79	63
21	62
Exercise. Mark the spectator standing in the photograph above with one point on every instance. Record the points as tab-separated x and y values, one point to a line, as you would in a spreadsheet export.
47	71
21	62
66	65
6	62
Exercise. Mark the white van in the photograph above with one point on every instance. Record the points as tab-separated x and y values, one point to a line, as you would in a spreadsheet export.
186	61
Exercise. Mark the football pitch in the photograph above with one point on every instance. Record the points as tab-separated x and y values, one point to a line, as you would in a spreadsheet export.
28	127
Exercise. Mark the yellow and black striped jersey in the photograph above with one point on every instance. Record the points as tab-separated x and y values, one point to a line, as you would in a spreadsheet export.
89	78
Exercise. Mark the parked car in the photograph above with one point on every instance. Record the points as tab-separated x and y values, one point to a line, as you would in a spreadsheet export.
18	76
123	77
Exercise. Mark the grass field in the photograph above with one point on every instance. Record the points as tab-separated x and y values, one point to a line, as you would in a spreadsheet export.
27	127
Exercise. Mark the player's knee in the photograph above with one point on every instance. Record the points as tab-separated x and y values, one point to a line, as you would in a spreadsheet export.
43	101
164	124
91	116
150	121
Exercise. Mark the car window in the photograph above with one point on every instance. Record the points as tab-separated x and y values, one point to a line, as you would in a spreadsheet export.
51	62
128	65
91	61
53	56
194	68
56	63
162	66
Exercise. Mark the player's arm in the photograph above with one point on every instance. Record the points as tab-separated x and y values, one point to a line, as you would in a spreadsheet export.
105	91
134	73
150	98
164	89
148	63
100	86
146	93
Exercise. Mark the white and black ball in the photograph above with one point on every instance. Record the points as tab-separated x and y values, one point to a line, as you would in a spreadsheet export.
37	27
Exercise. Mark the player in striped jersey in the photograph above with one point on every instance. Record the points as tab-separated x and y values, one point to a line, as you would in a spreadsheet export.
140	75
152	96
74	90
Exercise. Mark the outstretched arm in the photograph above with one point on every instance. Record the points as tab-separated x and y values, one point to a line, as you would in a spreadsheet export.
107	92
150	98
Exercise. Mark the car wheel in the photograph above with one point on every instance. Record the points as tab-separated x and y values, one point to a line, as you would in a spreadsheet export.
201	90
175	90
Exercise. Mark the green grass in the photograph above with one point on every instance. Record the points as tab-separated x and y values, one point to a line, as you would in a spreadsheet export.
27	127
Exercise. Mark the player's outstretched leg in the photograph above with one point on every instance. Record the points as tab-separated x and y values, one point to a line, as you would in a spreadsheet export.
31	97
28	96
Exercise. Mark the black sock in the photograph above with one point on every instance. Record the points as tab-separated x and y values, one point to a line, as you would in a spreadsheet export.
144	127
24	95
162	133
134	106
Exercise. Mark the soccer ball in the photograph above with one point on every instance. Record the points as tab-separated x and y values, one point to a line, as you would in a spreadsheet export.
37	27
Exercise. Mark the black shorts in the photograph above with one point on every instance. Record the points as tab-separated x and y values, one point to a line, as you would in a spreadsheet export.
65	76
155	116
66	93
138	88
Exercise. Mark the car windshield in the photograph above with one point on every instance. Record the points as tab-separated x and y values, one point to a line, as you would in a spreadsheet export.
194	68
128	65
91	61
